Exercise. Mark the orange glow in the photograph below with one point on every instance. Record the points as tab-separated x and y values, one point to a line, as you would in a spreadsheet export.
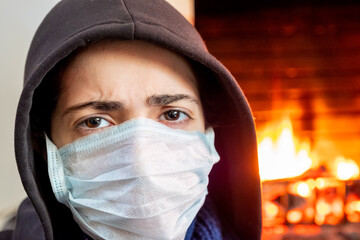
281	229
271	209
279	154
332	220
307	229
311	183
352	210
319	219
320	183
354	217
337	207
323	208
329	212
294	216
352	207
346	169
303	189
309	212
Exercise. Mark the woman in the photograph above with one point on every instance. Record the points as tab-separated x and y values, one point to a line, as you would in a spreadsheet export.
115	130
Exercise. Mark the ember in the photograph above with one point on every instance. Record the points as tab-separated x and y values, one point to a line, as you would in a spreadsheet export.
346	169
298	191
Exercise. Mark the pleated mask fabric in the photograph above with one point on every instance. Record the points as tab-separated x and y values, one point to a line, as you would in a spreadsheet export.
137	180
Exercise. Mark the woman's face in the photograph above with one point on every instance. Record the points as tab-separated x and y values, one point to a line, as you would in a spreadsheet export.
112	82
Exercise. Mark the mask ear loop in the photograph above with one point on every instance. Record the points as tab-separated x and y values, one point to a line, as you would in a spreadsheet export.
56	171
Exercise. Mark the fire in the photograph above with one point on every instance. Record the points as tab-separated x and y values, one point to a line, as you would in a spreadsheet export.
329	212
326	194
271	209
279	155
352	210
346	169
352	207
294	216
303	189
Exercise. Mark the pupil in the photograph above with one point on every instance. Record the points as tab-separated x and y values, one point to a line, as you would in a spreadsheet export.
93	122
173	115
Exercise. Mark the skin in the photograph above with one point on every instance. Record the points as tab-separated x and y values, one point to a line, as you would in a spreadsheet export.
115	81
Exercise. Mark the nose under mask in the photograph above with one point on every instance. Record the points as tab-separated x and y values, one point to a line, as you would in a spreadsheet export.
137	180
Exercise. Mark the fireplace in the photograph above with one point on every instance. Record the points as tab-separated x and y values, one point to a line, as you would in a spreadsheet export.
302	195
299	67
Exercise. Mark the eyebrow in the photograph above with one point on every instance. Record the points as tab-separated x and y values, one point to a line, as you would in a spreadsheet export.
165	99
157	100
98	105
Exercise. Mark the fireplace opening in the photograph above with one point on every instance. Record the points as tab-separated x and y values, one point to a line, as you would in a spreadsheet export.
298	65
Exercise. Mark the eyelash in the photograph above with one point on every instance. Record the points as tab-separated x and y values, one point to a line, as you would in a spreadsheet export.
175	122
84	130
87	130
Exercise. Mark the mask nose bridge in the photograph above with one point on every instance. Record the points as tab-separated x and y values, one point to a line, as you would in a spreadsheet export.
139	148
137	133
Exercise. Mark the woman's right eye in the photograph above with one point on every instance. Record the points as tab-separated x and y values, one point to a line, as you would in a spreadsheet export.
94	123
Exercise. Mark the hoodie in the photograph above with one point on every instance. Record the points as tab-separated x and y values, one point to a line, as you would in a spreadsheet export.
234	189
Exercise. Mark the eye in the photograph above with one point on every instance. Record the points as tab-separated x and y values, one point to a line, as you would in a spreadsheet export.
94	122
174	115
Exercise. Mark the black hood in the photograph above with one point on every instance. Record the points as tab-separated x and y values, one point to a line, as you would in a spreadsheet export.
234	182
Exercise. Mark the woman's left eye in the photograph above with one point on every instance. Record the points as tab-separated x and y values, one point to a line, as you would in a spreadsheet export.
174	115
94	122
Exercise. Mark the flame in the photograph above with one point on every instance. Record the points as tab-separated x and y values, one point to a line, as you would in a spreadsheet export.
294	216
346	169
271	209
302	188
329	212
352	211
309	212
279	156
352	208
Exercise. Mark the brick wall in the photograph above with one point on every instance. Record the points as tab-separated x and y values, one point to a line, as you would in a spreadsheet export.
302	62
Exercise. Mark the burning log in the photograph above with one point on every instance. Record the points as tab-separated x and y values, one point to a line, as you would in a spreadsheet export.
329	204
295	192
352	201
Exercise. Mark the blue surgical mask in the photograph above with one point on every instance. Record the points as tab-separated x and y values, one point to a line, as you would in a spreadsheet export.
137	180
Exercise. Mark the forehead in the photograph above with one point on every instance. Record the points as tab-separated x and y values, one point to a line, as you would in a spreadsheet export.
126	65
134	52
